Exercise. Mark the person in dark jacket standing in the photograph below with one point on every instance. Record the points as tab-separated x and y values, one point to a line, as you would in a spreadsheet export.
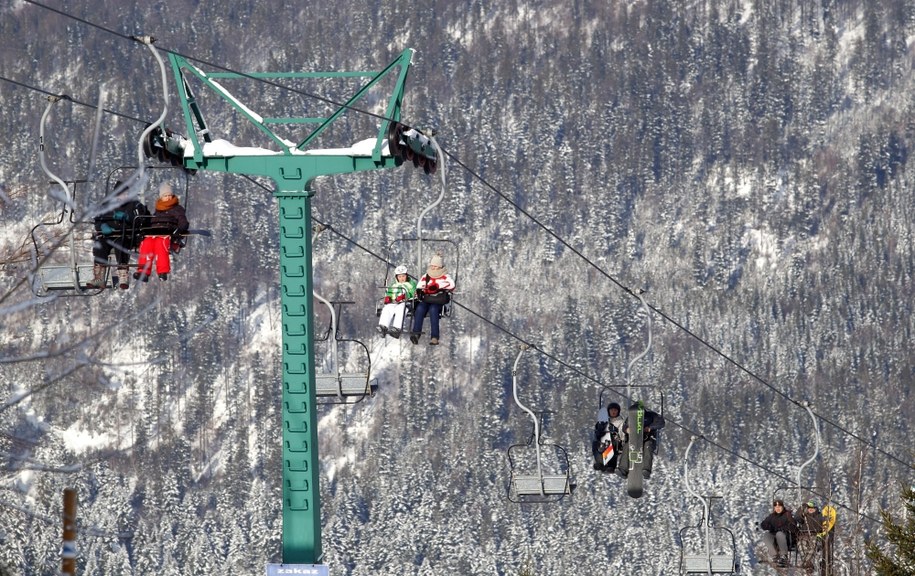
116	231
168	222
781	531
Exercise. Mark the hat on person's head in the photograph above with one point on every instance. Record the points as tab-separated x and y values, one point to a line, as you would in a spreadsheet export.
613	405
811	504
165	190
402	269
436	267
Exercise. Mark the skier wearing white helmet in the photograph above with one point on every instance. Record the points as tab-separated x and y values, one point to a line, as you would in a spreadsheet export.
390	320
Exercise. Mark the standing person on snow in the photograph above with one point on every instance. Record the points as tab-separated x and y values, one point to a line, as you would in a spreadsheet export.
118	231
390	321
433	290
781	531
167	223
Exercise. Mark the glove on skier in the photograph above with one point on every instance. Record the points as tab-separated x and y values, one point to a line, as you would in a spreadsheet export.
387	299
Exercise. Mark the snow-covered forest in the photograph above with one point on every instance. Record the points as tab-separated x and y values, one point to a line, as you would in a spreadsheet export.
745	162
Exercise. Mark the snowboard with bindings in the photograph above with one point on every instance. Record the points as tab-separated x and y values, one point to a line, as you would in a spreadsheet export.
636	445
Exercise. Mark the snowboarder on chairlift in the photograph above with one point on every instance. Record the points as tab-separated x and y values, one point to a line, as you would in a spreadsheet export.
650	425
607	442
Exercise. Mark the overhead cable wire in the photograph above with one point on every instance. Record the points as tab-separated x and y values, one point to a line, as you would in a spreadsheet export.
214	65
587	376
677	324
81	103
530	216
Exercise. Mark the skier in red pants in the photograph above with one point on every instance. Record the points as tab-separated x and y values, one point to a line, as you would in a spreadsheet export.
168	221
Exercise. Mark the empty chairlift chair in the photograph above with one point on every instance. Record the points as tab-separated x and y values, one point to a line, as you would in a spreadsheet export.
705	549
333	381
533	483
61	249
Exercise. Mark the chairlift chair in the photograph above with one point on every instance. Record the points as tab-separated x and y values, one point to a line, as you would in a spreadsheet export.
62	248
537	486
724	559
74	274
657	402
64	270
804	551
415	252
422	149
633	451
335	384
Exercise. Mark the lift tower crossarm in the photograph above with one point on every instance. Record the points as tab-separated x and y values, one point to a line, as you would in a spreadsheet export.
193	115
293	169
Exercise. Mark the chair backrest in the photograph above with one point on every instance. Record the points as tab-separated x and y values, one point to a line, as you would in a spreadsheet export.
343	385
59	277
718	563
531	485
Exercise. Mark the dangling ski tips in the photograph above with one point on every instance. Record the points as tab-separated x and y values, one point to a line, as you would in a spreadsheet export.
144	39
54	98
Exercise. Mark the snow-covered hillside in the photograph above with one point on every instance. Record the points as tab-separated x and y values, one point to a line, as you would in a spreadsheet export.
745	163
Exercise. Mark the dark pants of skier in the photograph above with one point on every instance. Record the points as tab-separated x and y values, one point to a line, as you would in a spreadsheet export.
648	448
597	449
433	310
102	247
826	566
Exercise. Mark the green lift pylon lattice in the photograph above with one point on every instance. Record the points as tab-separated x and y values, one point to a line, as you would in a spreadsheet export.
293	168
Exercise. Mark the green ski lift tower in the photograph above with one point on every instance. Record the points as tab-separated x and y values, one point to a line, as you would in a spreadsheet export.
293	166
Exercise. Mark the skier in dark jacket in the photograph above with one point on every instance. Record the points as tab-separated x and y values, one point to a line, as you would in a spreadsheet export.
781	531
116	231
809	519
165	229
607	443
651	423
